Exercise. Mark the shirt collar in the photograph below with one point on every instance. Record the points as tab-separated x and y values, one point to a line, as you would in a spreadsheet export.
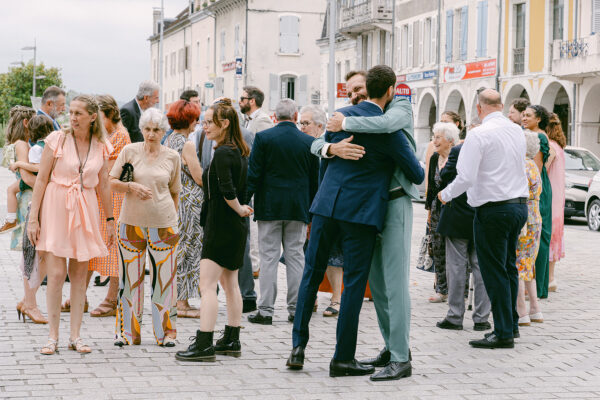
138	104
378	106
495	114
255	113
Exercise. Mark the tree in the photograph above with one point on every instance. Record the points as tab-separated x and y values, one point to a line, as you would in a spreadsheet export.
16	86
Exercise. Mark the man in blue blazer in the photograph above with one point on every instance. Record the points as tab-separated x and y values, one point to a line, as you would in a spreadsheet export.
283	177
53	104
352	202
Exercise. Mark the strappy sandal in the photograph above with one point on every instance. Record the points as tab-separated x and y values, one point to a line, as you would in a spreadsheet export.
79	346
168	342
332	310
34	314
189	313
66	306
50	348
107	308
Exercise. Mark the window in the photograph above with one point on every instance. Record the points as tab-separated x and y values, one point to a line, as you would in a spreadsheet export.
222	54
288	87
449	31
596	16
236	42
289	34
409	59
461	33
482	14
427	41
382	47
557	19
404	47
434	37
416	41
520	25
347	67
173	63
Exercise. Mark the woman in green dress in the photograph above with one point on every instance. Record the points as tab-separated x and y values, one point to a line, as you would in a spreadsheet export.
535	118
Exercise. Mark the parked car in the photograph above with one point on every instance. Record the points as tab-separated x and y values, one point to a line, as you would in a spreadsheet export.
580	167
592	204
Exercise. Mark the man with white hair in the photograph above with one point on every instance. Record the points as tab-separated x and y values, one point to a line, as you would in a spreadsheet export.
283	177
491	169
147	96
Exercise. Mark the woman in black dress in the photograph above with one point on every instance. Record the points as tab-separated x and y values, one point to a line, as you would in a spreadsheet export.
225	232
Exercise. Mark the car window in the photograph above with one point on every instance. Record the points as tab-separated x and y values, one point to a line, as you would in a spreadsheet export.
580	160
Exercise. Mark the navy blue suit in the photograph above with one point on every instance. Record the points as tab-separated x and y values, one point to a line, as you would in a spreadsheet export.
130	115
351	202
54	123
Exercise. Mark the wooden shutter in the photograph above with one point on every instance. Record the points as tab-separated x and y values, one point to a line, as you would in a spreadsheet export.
596	16
464	31
433	48
273	91
449	29
482	17
289	34
416	43
302	90
219	86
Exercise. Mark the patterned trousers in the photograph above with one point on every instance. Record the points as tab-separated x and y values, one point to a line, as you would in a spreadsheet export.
161	245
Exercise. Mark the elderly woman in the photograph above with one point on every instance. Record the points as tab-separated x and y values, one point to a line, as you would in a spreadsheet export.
182	117
445	136
66	224
529	240
147	224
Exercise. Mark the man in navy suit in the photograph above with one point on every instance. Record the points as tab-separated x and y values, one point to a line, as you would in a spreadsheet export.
283	177
351	202
53	104
147	96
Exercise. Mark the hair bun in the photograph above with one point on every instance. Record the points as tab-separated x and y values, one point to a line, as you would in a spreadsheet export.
226	101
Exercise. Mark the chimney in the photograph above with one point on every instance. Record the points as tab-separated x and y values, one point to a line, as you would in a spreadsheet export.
156	13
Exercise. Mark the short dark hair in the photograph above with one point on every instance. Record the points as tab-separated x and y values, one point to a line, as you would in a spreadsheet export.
188	94
51	93
520	104
256	94
39	127
541	113
379	80
350	74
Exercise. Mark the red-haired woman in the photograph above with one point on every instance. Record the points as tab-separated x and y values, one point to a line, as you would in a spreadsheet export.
225	232
182	117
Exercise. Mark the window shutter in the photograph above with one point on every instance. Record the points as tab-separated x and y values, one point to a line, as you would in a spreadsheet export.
273	91
410	46
479	27
359	52
416	43
219	86
484	17
596	16
289	34
433	48
464	32
302	90
449	28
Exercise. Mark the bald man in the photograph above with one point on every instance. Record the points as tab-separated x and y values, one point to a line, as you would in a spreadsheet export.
491	169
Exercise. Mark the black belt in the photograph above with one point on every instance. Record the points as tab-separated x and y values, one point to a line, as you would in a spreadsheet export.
516	200
396	194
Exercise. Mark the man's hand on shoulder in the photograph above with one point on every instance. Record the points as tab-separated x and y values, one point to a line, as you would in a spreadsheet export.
335	122
346	150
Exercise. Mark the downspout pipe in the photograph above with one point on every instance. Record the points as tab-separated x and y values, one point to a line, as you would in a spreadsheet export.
246	49
576	85
439	61
499	52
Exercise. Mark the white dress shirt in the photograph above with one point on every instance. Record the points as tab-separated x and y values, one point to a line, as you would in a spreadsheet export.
491	164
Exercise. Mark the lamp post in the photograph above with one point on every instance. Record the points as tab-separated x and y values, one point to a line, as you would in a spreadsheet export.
34	48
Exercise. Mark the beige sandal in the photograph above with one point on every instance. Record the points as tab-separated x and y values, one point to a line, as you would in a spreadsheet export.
79	346
66	306
50	348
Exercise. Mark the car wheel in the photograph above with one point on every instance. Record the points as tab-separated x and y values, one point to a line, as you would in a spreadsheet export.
593	215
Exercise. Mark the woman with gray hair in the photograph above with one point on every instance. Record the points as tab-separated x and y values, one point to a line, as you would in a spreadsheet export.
445	136
149	175
529	239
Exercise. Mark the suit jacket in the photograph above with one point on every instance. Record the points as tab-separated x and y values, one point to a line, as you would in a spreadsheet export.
456	218
130	115
260	122
54	123
282	174
357	191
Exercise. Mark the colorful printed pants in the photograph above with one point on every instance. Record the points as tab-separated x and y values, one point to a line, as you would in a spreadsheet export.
161	246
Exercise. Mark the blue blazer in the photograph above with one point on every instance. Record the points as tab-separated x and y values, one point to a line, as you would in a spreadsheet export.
54	123
282	174
456	217
130	115
357	191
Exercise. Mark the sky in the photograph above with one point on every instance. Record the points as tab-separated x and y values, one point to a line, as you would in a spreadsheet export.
100	46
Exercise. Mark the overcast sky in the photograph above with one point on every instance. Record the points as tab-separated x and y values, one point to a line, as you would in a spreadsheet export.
101	46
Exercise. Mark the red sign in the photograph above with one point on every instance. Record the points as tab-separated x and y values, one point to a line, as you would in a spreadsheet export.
479	69
341	91
229	66
400	78
402	90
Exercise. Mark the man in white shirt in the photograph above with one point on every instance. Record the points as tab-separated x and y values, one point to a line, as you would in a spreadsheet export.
251	102
491	169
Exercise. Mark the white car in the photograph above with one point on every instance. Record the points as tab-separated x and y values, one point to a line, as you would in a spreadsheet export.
580	167
592	203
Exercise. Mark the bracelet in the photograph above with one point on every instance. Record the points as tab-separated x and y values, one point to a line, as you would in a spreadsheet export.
110	219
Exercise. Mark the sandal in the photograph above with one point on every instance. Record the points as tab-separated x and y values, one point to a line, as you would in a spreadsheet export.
79	346
107	308
168	342
332	310
438	298
66	306
34	314
189	313
50	348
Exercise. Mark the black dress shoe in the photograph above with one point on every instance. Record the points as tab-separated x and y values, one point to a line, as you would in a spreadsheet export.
445	324
349	368
249	306
493	342
200	349
482	326
258	318
296	358
382	359
290	317
516	334
394	370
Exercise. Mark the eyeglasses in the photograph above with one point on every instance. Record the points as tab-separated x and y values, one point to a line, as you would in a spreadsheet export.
305	123
206	123
245	98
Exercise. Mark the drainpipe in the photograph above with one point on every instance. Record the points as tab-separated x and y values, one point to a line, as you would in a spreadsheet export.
393	36
575	86
499	52
246	49
439	62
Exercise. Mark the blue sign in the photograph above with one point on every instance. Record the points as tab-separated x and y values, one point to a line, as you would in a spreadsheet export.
429	74
238	67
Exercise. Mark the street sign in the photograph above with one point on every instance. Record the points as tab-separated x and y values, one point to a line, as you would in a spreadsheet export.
209	85
341	91
238	67
403	90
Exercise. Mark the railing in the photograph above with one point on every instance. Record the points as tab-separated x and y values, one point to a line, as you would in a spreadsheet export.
573	48
518	61
365	11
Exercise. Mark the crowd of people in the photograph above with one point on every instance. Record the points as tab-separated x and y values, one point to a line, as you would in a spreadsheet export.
203	200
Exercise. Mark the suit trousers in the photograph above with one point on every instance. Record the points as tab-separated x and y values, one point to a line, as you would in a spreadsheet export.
357	241
389	277
496	231
271	236
254	257
245	278
459	254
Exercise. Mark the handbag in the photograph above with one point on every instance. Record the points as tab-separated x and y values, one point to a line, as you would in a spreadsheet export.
424	260
127	173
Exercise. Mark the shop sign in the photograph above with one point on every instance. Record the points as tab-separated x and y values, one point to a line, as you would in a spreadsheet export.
229	66
238	67
417	76
403	90
479	69
209	85
341	91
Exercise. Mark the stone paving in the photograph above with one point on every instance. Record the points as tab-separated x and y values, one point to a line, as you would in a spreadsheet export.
557	359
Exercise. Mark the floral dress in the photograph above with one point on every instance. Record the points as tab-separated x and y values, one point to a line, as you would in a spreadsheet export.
438	241
529	239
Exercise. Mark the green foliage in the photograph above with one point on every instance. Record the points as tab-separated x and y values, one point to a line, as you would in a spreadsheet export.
17	84
2	134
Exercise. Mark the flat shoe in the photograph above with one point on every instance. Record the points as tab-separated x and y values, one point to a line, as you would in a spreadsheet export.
552	286
537	317
438	298
524	321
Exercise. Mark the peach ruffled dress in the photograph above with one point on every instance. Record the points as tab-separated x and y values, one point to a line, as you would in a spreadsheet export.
69	217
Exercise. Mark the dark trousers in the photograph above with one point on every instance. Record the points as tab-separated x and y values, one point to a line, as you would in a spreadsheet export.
357	242
245	278
496	230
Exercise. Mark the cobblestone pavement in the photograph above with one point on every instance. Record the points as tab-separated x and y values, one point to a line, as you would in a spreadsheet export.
557	359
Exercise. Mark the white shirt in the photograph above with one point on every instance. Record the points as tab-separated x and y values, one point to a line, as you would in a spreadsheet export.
35	154
491	164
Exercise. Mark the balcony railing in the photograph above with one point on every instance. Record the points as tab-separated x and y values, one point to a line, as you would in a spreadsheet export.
365	12
518	61
573	48
577	58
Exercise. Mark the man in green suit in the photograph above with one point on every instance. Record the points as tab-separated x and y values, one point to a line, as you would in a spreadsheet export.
389	276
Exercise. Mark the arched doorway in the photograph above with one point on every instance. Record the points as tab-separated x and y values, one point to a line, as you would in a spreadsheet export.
589	126
515	92
555	99
456	103
427	111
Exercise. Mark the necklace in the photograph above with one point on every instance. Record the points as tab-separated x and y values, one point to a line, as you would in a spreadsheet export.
82	165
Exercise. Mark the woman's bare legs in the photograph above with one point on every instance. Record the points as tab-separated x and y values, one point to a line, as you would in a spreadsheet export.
229	281
335	275
78	272
534	305
210	272
56	267
521	304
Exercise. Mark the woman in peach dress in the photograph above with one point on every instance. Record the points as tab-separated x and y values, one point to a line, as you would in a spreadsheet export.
64	222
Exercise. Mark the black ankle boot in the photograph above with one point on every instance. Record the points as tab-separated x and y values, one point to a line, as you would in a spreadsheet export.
201	348
229	344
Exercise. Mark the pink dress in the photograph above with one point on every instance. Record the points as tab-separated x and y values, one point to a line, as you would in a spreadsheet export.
556	174
69	217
